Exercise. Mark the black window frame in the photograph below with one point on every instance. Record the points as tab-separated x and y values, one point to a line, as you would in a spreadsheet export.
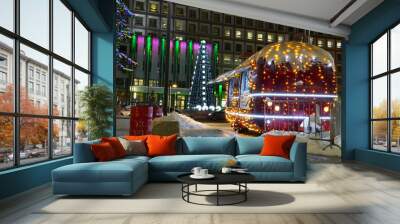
388	75
16	115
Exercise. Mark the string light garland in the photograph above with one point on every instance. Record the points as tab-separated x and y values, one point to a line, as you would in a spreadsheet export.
280	86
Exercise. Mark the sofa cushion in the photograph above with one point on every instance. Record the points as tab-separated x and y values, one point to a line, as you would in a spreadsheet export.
249	145
161	145
185	163
103	152
112	171
208	145
277	145
116	145
257	163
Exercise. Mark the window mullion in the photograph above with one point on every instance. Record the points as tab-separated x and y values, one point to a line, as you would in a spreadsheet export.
389	101
16	85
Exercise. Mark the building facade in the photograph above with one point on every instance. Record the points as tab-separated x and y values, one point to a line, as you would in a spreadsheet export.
231	38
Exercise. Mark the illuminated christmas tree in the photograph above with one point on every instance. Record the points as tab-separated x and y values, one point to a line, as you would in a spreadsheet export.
201	95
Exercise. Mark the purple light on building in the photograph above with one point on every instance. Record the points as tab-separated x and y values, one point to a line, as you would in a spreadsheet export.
196	48
209	49
140	42
155	44
183	46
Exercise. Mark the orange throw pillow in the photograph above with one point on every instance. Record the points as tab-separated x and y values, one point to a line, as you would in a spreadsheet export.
103	152
277	145
136	137
161	145
116	145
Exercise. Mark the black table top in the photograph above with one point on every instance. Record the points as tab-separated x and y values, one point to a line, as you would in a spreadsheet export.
220	178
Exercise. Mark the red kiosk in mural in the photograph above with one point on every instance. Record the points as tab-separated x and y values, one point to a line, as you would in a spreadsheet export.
288	86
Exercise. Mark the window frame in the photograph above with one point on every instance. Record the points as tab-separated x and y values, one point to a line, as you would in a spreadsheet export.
16	114
388	74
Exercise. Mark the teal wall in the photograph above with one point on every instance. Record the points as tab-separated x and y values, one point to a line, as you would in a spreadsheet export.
99	16
356	126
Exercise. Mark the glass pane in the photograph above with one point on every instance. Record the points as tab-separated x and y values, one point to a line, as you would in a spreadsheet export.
33	139
379	56
395	136
379	98
81	131
35	21
6	142
81	81
62	138
62	29
395	47
6	74
395	94
62	89
34	78
7	14
379	135
81	45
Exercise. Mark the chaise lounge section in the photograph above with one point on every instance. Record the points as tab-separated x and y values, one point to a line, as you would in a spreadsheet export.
125	176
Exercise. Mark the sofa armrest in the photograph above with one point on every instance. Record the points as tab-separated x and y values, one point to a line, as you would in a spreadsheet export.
298	155
83	152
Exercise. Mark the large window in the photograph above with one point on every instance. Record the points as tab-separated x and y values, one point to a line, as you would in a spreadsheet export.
44	64
385	93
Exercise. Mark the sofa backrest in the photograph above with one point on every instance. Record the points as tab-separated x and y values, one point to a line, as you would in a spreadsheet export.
83	152
249	145
206	145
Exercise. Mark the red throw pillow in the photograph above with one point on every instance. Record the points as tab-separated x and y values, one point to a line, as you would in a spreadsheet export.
116	145
277	145
136	137
103	152
161	145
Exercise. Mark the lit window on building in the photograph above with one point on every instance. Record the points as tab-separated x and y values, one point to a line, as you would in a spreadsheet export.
178	37
260	36
271	37
320	43
338	44
237	60
180	25
281	38
164	23
153	82
238	34
311	40
138	82
154	7
329	43
227	59
164	8
227	32
250	35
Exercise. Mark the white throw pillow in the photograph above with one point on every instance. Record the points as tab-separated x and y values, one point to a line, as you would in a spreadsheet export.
136	147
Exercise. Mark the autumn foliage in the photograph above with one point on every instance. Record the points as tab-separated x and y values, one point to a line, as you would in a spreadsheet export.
33	131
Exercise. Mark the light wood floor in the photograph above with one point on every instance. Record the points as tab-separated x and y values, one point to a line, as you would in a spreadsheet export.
379	190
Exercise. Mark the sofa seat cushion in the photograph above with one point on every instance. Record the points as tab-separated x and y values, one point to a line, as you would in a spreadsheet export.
185	163
113	171
257	163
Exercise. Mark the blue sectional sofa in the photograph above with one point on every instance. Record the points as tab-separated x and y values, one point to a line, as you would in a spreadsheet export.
125	176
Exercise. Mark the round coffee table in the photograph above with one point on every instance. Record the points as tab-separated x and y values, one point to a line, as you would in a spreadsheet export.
238	179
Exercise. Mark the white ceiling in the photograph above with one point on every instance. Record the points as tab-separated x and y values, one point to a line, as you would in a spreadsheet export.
315	15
